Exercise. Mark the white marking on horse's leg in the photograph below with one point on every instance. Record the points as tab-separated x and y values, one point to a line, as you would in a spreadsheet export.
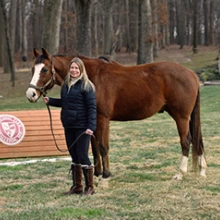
182	168
184	164
202	165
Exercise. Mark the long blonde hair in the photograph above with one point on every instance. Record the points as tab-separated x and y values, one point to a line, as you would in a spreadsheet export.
87	84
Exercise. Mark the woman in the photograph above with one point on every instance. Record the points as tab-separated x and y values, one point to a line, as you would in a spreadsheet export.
78	116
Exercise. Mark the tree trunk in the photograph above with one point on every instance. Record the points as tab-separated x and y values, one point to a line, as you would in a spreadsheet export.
188	22
133	10
96	46
127	24
2	38
12	26
108	27
155	29
37	27
180	13
195	10
172	21
145	45
211	22
51	25
8	46
83	26
206	21
24	32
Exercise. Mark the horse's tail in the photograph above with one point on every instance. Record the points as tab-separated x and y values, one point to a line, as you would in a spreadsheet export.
196	133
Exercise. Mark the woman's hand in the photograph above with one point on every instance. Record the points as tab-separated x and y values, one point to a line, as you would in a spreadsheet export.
89	132
46	100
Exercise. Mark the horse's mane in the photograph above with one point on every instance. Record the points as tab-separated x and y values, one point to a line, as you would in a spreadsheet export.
107	59
103	58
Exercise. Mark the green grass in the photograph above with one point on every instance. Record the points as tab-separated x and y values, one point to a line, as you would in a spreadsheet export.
144	157
201	59
143	160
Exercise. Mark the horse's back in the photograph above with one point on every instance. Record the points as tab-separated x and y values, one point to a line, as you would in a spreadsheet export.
181	85
174	73
138	92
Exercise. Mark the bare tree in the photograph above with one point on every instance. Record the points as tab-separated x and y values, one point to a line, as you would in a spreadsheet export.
8	46
22	30
108	27
37	27
172	20
68	28
206	21
96	43
155	27
128	44
12	25
180	13
2	37
51	25
145	44
211	22
133	11
188	23
195	13
83	26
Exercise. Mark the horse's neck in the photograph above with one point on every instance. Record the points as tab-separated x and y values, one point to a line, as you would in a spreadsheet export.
58	79
61	65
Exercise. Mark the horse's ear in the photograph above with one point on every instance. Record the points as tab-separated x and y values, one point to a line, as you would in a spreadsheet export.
36	52
45	53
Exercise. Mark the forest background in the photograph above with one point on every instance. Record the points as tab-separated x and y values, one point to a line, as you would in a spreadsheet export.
104	27
143	157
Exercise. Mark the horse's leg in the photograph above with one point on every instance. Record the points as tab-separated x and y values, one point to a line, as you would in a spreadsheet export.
185	140
102	136
202	165
96	157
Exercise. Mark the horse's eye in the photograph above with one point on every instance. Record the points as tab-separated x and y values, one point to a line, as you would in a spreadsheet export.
44	70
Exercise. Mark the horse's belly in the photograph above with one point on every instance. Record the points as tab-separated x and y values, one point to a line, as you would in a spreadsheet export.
138	114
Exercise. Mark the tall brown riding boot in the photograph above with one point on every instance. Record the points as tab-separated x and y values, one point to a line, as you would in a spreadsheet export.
88	174
77	187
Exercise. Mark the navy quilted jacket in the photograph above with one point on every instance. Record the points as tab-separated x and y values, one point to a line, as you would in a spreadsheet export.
78	107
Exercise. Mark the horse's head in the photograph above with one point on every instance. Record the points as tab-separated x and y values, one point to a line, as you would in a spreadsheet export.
43	76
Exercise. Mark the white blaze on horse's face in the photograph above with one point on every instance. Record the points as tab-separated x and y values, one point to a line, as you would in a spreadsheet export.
31	93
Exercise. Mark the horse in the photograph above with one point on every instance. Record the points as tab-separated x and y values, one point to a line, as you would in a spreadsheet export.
126	93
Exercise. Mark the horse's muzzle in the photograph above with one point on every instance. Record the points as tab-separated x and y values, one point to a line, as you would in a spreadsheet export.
32	95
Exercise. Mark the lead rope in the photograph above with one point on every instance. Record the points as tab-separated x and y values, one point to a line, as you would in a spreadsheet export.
54	138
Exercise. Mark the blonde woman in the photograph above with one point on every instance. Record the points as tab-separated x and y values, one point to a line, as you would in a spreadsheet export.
78	116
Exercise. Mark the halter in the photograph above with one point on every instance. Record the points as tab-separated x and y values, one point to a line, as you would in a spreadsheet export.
52	80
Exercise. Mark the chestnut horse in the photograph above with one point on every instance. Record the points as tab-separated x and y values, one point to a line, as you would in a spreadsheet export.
131	93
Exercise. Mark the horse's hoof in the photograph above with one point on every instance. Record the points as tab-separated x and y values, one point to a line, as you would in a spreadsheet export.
103	183
106	174
97	174
202	173
178	176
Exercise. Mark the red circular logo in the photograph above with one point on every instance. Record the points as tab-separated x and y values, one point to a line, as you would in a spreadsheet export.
12	130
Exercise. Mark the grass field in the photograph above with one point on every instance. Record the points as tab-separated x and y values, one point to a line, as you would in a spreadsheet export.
144	157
